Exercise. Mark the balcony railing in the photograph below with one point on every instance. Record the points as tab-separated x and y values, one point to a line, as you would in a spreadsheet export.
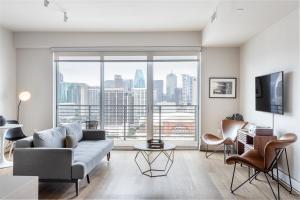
176	122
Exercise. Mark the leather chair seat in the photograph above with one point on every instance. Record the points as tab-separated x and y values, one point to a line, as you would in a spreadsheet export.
211	139
252	158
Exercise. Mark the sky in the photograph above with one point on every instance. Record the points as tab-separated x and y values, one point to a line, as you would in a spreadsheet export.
89	72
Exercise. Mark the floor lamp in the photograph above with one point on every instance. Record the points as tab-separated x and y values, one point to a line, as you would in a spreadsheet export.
23	96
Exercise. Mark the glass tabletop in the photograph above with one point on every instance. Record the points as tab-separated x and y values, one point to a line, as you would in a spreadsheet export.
143	147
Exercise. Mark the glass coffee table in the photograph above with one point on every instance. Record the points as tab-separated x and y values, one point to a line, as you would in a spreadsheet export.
152	156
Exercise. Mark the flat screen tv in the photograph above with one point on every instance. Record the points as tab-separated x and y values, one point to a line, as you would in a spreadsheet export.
269	93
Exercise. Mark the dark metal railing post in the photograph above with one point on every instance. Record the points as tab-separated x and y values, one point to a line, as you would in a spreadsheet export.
159	110
125	119
196	122
89	112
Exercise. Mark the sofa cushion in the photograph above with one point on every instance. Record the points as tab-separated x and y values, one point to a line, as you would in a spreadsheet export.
50	138
71	142
87	155
74	129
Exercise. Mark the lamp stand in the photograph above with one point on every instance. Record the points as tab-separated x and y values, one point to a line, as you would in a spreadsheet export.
18	116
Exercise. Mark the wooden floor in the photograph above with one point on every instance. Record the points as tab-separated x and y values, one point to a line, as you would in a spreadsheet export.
191	177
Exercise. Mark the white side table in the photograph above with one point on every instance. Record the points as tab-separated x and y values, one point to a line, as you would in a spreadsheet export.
3	129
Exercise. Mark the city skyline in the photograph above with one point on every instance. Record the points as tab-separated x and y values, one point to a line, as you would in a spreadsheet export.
82	93
89	72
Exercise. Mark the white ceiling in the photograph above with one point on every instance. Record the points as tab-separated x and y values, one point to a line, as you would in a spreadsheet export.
231	28
106	15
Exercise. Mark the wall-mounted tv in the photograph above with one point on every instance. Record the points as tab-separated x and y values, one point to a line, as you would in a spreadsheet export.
269	93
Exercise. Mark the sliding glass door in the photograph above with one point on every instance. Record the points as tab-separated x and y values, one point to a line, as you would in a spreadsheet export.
132	97
78	89
175	95
125	96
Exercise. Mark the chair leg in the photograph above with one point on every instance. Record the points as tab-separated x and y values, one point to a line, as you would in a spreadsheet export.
224	152
232	178
270	186
108	156
10	149
88	179
278	189
251	177
288	167
77	187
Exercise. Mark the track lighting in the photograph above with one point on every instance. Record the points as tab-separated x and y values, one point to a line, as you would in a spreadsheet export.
46	3
65	16
58	7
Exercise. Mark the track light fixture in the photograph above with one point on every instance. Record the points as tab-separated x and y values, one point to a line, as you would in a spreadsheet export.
65	16
58	7
46	3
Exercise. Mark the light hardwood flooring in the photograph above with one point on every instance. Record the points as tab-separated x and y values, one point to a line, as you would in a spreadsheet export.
191	177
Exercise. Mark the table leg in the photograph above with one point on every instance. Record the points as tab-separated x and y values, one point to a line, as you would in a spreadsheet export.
3	162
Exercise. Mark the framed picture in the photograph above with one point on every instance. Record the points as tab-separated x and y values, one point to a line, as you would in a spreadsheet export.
222	87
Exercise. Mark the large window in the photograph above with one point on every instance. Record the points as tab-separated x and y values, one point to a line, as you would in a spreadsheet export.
132	97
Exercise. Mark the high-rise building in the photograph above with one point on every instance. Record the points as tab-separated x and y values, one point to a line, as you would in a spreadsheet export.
127	85
114	101
93	95
109	83
158	91
139	98
139	80
171	85
76	93
194	91
118	81
187	89
178	96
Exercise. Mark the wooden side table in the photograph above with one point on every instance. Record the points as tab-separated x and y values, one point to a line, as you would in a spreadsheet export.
246	141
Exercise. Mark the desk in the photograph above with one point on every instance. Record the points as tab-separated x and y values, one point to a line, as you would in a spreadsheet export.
3	129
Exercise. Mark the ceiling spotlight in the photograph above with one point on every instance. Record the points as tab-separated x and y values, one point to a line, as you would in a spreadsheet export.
65	16
46	3
213	17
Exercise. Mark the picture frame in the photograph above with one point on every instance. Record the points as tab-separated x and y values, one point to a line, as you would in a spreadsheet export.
222	87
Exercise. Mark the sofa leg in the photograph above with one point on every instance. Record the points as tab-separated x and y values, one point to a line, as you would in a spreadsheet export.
77	187
88	179
108	156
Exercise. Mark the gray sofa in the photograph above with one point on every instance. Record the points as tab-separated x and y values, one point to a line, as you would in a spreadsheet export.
44	155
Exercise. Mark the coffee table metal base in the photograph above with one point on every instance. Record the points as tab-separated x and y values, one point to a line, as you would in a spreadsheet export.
150	171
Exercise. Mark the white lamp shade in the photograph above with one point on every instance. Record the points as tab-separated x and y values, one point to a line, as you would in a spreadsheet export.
24	96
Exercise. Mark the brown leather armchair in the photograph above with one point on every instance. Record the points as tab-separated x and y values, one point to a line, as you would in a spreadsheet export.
264	163
229	135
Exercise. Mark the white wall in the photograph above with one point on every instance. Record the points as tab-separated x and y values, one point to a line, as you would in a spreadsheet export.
34	63
7	75
218	62
47	40
34	74
275	49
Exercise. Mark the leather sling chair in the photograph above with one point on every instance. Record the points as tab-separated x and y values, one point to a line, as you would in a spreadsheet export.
266	162
229	135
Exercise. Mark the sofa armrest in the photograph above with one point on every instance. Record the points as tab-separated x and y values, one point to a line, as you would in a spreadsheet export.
94	135
25	142
46	163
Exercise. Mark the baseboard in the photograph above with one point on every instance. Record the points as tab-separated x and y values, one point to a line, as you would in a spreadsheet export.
284	178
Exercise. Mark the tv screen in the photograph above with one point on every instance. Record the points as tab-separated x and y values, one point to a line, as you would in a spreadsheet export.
269	93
